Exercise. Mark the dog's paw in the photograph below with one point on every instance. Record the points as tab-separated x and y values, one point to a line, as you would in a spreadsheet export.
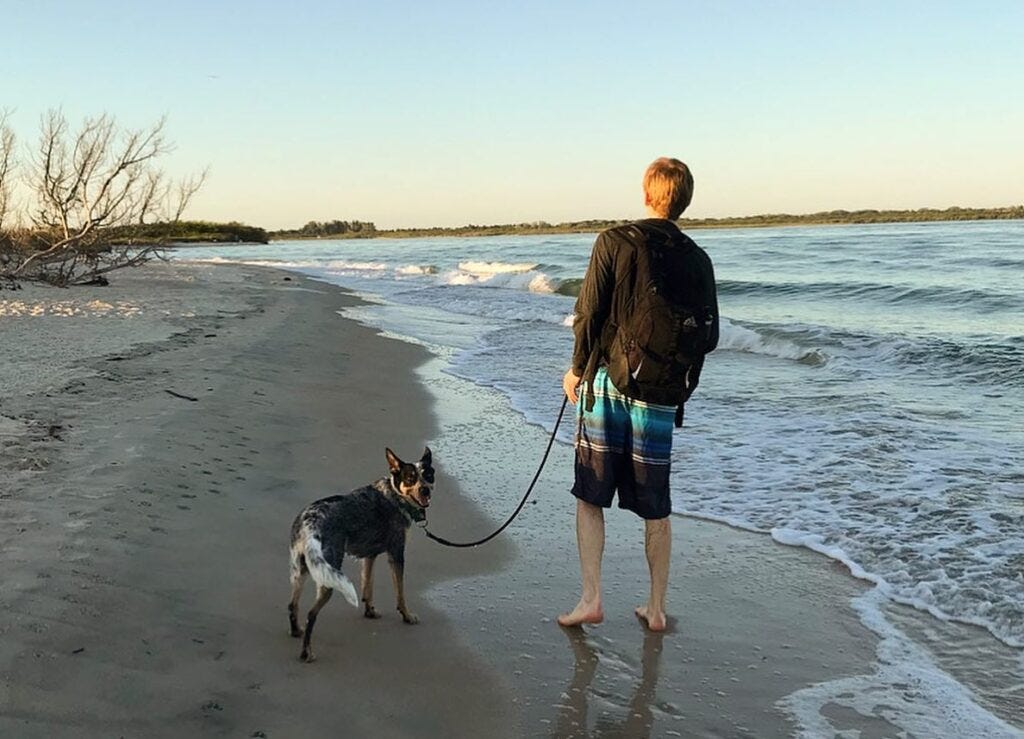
410	618
370	612
307	656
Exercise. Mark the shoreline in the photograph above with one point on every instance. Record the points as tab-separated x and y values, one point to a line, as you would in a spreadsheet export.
751	621
981	700
191	628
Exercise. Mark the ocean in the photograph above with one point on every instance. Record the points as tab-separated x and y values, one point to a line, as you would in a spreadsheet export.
864	401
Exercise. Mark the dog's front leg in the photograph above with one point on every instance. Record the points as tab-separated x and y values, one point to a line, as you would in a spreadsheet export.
397	562
367	588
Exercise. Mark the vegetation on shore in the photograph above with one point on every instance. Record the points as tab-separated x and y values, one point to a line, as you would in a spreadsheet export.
860	216
329	230
363	229
189	232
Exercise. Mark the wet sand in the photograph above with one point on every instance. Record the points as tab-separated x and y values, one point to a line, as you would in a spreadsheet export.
144	542
751	621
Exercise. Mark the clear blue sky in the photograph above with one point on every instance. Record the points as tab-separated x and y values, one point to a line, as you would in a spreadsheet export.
473	112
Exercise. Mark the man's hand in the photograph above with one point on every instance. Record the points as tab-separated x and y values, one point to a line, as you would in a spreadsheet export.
571	383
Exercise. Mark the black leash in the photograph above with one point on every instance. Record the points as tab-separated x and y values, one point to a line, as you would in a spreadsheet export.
515	513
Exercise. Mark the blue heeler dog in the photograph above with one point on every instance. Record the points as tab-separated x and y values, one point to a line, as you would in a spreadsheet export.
369	521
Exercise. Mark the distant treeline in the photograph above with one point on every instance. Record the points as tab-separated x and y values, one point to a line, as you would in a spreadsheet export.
860	216
364	229
329	229
189	232
367	230
534	227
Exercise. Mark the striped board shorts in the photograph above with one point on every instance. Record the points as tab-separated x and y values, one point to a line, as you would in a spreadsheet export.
623	446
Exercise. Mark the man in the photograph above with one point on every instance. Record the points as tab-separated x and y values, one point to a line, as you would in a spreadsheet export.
624	436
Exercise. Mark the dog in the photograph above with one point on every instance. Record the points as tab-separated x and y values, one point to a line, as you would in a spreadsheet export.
365	523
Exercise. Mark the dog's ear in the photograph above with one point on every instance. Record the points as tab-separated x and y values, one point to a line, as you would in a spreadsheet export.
427	457
394	463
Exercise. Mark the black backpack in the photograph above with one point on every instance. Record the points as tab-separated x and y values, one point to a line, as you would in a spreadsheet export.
661	336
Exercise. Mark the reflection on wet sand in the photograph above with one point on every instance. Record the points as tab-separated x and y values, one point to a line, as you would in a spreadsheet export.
615	717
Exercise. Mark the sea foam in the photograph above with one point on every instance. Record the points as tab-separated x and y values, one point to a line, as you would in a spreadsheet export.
907	689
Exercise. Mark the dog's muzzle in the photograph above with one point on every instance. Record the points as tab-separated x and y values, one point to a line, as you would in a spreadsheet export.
421	496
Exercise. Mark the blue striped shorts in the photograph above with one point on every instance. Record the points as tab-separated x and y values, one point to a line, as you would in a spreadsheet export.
623	446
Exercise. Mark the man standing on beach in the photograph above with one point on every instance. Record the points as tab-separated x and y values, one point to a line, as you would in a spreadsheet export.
632	389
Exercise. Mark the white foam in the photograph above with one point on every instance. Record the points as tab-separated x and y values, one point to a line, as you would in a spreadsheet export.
907	690
900	507
415	270
209	260
816	543
485	269
347	266
540	284
534	282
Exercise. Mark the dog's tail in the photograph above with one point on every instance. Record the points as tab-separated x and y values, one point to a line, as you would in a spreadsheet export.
326	574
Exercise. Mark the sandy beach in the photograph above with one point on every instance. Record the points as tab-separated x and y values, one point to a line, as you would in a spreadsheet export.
144	540
145	536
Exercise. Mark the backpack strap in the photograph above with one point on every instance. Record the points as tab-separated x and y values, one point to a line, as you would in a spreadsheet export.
639	237
589	372
692	380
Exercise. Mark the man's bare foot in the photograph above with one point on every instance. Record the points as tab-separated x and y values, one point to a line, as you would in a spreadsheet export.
583	613
654	620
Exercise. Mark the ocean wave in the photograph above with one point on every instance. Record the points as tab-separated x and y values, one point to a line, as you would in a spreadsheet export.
988	359
929	531
570	286
343	265
998	362
414	270
477	301
890	294
470	305
513	279
734	337
486	269
208	260
994	262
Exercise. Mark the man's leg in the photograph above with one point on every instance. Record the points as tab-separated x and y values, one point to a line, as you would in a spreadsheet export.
658	544
590	538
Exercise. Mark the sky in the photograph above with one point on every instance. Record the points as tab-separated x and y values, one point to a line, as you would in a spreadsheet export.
448	113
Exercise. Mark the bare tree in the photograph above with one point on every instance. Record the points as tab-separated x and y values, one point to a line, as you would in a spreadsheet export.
7	246
87	188
6	166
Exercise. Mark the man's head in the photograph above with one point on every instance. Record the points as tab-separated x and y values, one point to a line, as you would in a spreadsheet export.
668	187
